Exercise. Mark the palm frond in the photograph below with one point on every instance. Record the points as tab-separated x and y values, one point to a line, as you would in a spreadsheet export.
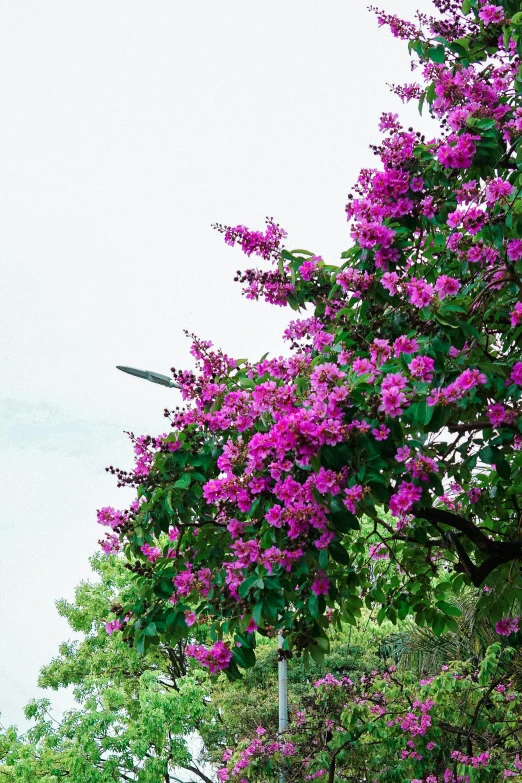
421	651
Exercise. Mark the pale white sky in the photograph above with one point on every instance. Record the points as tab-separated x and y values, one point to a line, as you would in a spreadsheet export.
127	129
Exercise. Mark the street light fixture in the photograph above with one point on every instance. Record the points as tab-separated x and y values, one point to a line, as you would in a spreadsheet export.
149	375
282	666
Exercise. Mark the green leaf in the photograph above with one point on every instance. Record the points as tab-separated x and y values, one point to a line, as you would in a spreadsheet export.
245	657
249	582
323	559
437	54
449	609
339	553
487	455
313	605
344	521
439	624
183	482
257	613
503	468
317	654
140	644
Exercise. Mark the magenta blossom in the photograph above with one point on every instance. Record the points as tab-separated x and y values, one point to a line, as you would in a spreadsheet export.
507	626
491	14
321	584
446	286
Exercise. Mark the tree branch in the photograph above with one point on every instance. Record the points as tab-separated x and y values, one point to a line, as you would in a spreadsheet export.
497	552
198	772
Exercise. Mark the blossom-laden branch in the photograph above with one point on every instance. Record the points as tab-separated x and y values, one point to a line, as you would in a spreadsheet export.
292	491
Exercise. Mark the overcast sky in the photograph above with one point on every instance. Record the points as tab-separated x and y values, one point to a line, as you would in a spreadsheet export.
127	129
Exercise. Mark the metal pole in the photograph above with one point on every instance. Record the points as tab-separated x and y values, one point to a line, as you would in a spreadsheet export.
282	686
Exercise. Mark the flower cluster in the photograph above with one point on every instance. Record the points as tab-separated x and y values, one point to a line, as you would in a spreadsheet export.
216	658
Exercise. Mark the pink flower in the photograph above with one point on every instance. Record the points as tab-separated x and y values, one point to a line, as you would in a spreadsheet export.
516	373
111	544
320	585
498	189
507	626
216	658
381	433
190	618
403	500
307	268
114	625
403	453
151	552
392	401
389	281
428	209
273	516
417	184
516	314
251	627
514	249
421	467
455	218
405	344
419	293
491	14
394	380
363	367
474	495
496	414
378	551
458	152
446	286
422	367
353	495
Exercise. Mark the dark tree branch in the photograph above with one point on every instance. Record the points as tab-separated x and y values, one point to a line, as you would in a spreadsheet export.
497	552
198	772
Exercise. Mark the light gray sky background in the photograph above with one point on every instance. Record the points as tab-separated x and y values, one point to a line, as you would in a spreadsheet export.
127	129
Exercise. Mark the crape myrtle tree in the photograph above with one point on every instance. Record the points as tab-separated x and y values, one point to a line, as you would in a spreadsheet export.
378	462
461	725
440	709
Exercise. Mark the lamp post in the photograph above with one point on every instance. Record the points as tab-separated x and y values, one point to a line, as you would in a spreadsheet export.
149	375
282	693
282	665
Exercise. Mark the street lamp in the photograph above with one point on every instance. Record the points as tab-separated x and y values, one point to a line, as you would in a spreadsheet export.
282	666
149	375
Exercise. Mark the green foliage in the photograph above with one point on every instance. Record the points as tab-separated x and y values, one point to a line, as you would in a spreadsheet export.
136	716
463	721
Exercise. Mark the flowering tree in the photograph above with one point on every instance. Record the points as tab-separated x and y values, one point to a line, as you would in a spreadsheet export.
379	461
459	726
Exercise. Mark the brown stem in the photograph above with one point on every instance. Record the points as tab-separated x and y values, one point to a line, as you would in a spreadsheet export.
497	552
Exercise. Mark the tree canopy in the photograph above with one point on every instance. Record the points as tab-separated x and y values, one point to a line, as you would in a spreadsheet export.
135	716
384	450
